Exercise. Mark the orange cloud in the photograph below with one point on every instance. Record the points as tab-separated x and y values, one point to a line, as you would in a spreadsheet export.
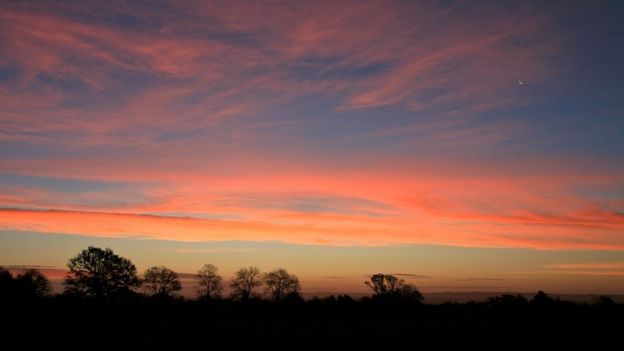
467	204
300	219
183	229
588	265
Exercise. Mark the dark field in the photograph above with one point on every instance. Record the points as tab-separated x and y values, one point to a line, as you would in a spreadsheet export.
65	323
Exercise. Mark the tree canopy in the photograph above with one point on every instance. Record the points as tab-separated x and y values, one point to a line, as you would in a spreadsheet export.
281	284
209	282
100	273
32	283
161	281
387	286
27	285
245	281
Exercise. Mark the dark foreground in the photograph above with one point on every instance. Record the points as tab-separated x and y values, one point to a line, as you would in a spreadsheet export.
167	324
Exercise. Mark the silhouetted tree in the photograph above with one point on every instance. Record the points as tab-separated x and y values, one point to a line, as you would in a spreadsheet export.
508	300
605	301
100	273
32	284
209	281
245	281
345	299
280	284
6	284
383	283
542	299
387	286
5	275
161	281
410	293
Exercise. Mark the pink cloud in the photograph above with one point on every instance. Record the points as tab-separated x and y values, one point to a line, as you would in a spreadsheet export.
214	134
435	205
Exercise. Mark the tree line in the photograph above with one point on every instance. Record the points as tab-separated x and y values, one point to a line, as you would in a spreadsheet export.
101	274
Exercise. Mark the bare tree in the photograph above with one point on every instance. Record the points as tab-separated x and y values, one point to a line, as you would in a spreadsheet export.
281	284
161	281
387	286
384	283
245	281
210	285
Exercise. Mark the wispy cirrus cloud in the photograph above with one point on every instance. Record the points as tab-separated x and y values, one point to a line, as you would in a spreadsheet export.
237	61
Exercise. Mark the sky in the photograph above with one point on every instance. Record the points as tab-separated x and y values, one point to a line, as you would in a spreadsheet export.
462	145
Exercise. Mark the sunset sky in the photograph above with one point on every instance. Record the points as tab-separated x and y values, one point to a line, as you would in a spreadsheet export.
463	145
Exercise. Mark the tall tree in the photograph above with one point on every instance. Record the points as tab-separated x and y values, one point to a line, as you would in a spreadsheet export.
245	281
100	273
161	281
281	284
209	281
